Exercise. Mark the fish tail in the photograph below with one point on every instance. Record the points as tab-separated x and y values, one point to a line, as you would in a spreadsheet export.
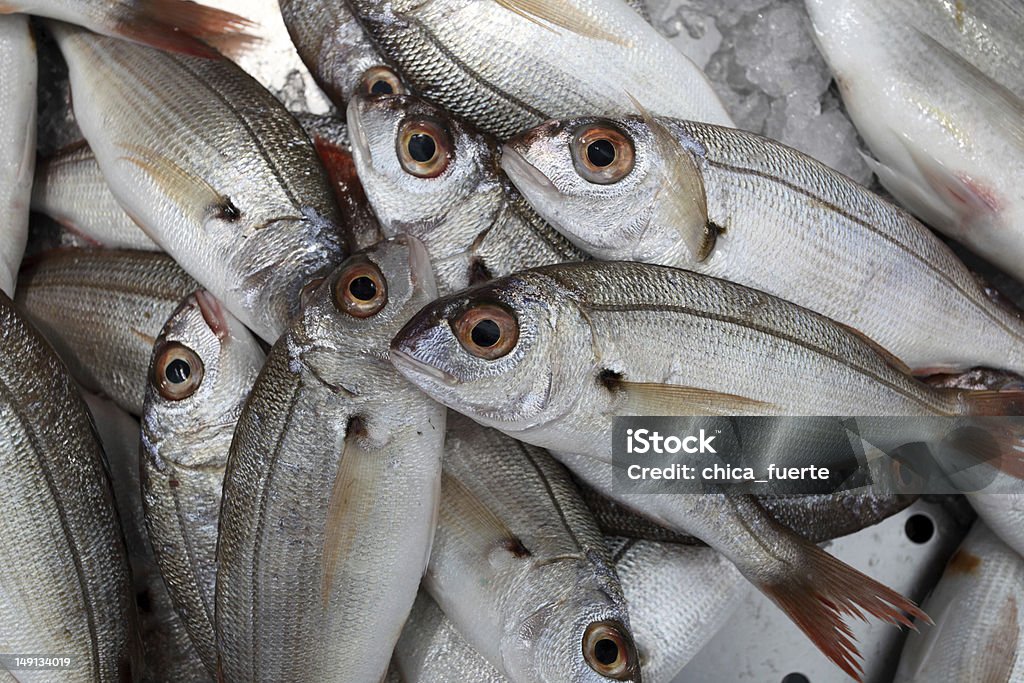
821	591
1007	434
186	27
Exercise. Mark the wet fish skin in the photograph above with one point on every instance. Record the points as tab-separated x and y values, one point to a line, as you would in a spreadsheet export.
212	167
18	79
102	311
431	650
70	188
780	222
467	56
678	597
944	132
519	565
186	436
169	654
331	489
978	615
1003	511
474	223
71	593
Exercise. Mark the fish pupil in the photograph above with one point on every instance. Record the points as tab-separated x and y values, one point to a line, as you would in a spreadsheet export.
177	371
381	87
601	153
422	147
486	333
363	288
606	651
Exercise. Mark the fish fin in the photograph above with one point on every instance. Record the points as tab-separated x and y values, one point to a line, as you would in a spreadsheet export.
184	187
462	508
186	27
968	198
993	403
917	196
351	503
889	356
681	200
1000	652
562	14
822	591
653	398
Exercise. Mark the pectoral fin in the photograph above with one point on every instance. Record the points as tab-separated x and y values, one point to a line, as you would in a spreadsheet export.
477	523
651	398
562	14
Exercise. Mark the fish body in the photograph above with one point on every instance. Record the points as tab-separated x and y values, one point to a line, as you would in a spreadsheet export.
470	57
1003	511
520	567
66	587
948	138
212	167
70	188
744	208
332	484
474	223
203	365
978	615
18	79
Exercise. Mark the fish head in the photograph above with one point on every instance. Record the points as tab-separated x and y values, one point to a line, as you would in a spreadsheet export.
595	180
420	167
204	362
488	352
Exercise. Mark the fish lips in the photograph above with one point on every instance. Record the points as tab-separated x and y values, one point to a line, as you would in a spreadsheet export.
419	346
529	179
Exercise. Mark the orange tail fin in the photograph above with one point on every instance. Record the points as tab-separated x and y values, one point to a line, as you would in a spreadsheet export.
186	27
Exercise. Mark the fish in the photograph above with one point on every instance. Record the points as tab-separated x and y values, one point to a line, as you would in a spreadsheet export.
520	567
584	56
550	356
474	223
18	80
337	51
213	169
1002	510
69	188
678	597
943	131
432	650
204	362
816	517
978	617
741	207
332	485
180	26
66	587
102	311
168	652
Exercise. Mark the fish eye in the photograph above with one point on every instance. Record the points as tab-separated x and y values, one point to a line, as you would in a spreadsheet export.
177	372
361	291
609	650
602	154
424	148
487	331
380	80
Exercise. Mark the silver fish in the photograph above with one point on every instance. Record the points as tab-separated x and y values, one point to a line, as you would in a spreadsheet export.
949	139
1003	511
204	364
169	654
431	650
978	613
474	223
520	567
18	79
102	311
213	169
70	188
591	56
678	597
332	484
177	25
66	585
738	206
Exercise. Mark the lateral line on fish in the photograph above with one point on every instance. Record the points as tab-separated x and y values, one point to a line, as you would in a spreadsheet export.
551	493
981	305
621	552
9	398
438	45
686	310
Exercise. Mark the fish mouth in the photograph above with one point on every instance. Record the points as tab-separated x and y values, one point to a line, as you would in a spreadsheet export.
408	364
522	172
356	134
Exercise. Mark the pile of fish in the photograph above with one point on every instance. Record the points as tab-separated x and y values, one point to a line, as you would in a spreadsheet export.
294	397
